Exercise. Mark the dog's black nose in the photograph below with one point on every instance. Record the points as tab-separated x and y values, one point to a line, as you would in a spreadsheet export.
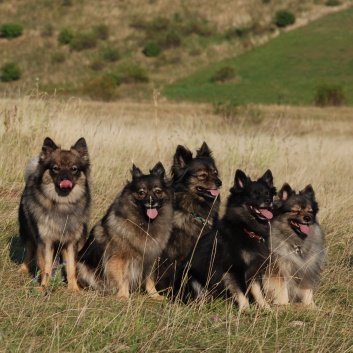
218	183
307	219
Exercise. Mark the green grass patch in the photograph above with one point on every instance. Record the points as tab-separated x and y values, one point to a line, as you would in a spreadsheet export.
286	70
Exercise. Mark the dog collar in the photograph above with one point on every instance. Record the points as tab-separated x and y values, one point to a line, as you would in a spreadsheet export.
200	218
255	236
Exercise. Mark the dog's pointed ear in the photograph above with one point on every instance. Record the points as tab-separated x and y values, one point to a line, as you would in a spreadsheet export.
285	192
48	148
136	172
268	178
309	192
81	147
204	151
182	157
240	179
158	170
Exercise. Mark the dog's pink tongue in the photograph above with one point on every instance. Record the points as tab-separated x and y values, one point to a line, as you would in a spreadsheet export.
214	192
152	213
304	229
65	184
266	213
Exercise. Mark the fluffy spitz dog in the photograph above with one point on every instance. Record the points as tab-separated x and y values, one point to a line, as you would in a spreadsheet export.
54	208
196	185
297	248
232	257
123	247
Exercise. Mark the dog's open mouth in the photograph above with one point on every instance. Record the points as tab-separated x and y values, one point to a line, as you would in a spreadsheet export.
300	227
152	213
262	213
208	192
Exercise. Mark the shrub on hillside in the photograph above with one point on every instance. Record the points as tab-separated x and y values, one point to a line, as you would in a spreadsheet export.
196	25
110	54
169	33
170	39
65	36
101	88
333	3
58	57
101	31
158	24
227	108
97	65
238	32
223	74
10	72
11	30
47	31
329	95
84	40
151	49
132	73
284	18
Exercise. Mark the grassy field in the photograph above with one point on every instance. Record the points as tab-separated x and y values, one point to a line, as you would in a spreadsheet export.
299	145
286	70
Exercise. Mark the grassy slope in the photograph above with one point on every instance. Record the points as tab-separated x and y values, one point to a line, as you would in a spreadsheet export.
286	70
43	20
300	146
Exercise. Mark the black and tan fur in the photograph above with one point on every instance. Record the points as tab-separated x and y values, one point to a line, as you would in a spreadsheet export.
232	257
54	208
196	187
297	247
123	247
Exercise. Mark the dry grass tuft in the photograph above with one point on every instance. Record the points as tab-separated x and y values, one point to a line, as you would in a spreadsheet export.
299	145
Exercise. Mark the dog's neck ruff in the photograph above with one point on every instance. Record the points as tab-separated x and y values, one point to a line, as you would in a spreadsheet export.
252	235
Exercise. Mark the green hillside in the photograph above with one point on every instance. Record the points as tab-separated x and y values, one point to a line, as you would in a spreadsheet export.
125	49
286	70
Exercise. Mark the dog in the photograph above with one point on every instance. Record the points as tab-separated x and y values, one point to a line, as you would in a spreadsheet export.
230	260
297	248
123	247
196	185
54	208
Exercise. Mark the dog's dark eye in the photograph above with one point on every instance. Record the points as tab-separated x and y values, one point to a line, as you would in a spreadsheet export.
55	168
141	193
215	172
158	192
74	169
202	175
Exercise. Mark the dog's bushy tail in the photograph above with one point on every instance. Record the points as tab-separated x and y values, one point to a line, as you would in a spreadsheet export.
31	168
88	278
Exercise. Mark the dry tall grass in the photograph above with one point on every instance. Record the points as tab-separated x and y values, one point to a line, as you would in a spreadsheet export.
299	145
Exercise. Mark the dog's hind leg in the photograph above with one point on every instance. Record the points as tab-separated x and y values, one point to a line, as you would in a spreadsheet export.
30	248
